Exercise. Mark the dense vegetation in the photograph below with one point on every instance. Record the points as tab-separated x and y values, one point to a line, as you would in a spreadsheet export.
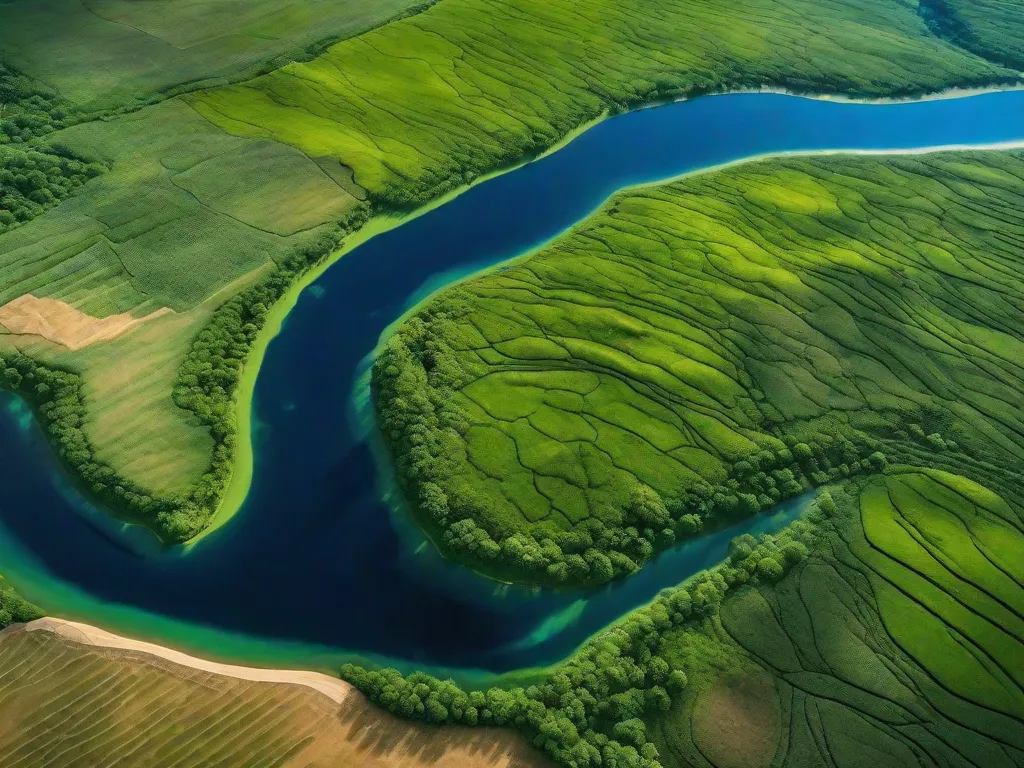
13	608
27	109
885	629
989	28
187	211
207	384
32	181
701	350
492	81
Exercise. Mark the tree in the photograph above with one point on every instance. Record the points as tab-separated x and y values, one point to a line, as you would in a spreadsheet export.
646	509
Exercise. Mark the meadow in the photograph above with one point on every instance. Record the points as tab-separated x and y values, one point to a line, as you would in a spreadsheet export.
476	84
896	643
68	704
697	351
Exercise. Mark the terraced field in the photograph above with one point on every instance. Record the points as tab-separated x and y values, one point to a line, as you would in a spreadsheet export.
475	84
897	643
66	704
694	352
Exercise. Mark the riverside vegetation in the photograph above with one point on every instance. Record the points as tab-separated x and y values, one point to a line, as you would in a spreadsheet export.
696	352
187	216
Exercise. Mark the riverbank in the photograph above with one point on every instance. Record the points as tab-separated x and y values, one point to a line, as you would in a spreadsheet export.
243	462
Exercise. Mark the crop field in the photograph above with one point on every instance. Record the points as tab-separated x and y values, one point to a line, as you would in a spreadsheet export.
474	84
700	350
106	53
66	704
898	642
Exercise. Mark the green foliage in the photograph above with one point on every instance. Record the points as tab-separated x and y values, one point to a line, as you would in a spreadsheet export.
989	28
13	608
32	181
27	110
122	54
207	383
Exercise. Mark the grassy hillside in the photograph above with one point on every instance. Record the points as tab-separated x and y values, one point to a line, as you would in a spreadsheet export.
108	53
694	352
988	28
66	704
885	629
473	84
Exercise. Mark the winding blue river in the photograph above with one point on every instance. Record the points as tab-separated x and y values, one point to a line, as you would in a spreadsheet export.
315	568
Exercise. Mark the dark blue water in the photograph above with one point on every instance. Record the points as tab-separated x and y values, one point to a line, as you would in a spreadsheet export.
314	555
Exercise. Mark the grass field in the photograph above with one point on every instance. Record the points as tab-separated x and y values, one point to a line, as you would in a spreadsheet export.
986	27
724	340
474	84
66	704
898	642
108	53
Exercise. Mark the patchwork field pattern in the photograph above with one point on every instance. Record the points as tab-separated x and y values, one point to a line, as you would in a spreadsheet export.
106	53
898	642
474	84
753	329
66	704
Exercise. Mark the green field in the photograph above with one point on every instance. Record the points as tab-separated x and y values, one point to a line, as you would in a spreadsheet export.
104	54
697	351
897	643
475	84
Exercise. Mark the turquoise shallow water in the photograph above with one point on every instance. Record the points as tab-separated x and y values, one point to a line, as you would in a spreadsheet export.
316	568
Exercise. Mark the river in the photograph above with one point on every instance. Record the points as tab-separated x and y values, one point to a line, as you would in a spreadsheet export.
316	568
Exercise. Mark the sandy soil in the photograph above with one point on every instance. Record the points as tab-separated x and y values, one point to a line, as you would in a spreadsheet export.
63	324
335	689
